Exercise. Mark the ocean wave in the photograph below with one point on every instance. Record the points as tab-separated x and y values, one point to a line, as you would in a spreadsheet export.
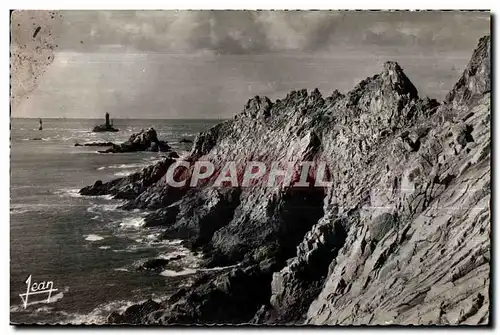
183	272
104	247
25	208
72	192
53	298
106	196
133	222
44	309
99	315
93	237
19	210
98	208
75	193
125	166
190	270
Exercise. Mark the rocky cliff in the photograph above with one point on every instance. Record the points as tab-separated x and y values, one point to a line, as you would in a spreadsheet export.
401	237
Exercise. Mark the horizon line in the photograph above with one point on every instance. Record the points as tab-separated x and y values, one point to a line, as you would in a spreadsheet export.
99	118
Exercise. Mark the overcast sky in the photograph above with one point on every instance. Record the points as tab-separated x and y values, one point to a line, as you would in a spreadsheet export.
206	64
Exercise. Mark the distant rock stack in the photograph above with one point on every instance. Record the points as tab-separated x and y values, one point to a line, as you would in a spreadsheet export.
105	127
145	140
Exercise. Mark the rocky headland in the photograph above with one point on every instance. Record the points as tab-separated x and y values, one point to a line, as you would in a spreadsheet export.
401	237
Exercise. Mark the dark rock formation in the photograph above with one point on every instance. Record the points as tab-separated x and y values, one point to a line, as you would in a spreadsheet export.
95	144
104	128
173	154
108	126
157	264
185	140
145	140
132	315
400	237
131	186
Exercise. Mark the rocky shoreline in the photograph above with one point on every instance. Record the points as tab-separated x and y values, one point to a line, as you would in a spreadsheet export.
402	236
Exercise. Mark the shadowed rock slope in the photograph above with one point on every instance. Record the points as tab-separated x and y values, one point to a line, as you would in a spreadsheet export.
401	237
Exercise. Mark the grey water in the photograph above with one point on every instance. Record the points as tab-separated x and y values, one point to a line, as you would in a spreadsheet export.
86	246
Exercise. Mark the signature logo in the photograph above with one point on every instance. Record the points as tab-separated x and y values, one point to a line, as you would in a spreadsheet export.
44	287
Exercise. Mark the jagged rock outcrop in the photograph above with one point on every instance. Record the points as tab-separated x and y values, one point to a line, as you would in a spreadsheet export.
401	236
475	80
131	186
145	140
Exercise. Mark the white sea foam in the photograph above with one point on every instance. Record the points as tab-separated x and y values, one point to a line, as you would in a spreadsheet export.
75	193
71	192
97	208
123	166
124	173
106	196
184	272
93	237
104	247
133	222
190	270
53	298
44	309
99	315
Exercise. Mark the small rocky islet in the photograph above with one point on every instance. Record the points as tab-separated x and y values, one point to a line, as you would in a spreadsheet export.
402	237
145	140
106	127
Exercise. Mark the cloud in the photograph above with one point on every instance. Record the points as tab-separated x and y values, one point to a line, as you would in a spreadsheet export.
208	63
256	32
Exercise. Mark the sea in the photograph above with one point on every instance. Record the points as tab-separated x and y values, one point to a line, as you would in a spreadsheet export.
85	248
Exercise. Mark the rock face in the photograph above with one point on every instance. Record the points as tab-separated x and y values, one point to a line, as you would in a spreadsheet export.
400	237
145	140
